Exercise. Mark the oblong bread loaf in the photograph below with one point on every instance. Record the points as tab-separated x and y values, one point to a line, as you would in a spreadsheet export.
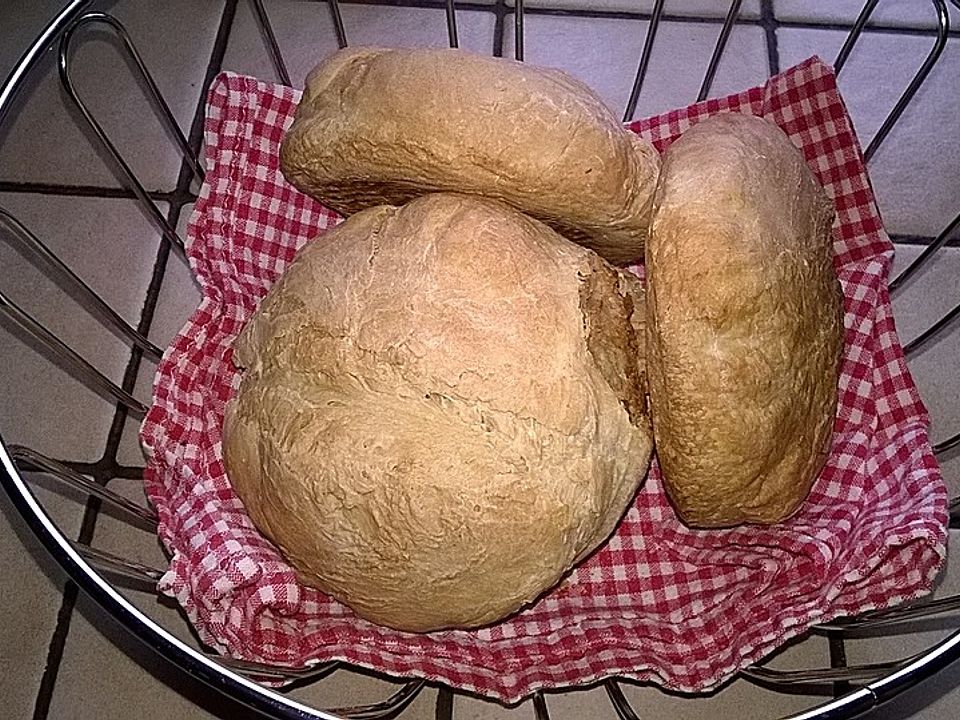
384	126
442	410
744	323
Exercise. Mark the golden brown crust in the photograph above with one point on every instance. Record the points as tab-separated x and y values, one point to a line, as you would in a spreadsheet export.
744	323
384	126
423	426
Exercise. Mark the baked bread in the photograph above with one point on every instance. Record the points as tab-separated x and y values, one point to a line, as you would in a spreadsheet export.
744	323
385	126
442	410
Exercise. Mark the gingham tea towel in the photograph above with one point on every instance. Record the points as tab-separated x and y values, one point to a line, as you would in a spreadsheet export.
661	602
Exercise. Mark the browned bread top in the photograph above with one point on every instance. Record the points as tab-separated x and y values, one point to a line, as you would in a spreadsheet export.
744	323
441	411
384	126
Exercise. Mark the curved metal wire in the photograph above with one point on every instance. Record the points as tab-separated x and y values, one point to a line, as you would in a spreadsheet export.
132	618
943	29
932	332
645	55
118	566
947	444
388	708
27	62
262	671
721	45
893	616
821	676
444	706
451	13
84	293
620	704
29	460
67	357
942	654
518	30
232	676
276	57
850	705
153	94
924	257
540	711
855	31
337	23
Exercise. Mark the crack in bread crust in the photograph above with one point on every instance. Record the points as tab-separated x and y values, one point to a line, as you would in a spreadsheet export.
611	336
428	437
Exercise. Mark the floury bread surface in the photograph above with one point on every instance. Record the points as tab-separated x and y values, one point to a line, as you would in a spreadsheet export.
744	323
442	410
381	126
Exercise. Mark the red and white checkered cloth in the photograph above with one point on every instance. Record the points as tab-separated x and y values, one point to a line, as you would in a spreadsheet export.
661	602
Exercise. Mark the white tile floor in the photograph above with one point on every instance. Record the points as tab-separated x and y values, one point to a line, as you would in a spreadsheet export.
916	188
44	142
895	14
616	44
107	239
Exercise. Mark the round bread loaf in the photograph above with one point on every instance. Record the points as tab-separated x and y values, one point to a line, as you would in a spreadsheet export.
442	410
744	323
384	126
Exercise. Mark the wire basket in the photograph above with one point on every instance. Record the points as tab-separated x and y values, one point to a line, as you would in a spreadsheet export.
850	690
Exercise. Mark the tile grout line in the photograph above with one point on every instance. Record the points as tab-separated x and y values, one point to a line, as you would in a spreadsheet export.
115	470
93	191
51	668
180	197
